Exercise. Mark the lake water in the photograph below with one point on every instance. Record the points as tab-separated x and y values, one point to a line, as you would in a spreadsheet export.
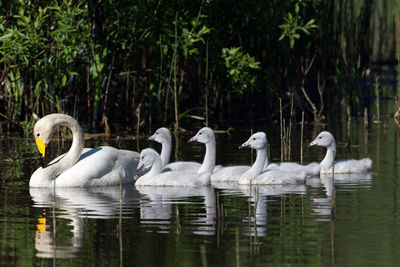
350	221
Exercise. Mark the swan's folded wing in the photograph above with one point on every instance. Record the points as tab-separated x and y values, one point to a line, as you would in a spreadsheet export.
229	174
186	166
353	165
280	177
311	169
101	166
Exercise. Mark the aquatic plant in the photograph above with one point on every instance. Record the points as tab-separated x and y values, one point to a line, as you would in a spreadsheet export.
101	61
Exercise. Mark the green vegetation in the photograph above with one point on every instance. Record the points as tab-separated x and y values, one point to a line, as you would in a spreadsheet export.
140	64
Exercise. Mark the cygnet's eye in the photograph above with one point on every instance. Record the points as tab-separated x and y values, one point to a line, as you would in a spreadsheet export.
156	132
254	138
320	137
200	133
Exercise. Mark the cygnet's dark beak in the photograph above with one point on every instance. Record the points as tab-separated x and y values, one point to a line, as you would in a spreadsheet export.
139	166
193	139
313	143
244	145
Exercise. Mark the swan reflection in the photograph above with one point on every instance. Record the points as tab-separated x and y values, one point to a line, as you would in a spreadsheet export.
257	219
75	205
156	207
324	206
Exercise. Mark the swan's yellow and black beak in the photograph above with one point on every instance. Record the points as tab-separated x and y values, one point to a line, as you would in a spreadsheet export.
42	149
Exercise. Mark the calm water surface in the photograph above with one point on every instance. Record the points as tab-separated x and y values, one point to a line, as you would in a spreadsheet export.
353	220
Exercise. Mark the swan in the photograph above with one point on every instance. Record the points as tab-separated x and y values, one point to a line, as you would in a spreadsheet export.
233	173
80	167
163	136
155	177
257	175
328	164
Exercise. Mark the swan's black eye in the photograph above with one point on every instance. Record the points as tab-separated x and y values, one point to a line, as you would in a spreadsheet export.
199	133
254	138
320	137
38	134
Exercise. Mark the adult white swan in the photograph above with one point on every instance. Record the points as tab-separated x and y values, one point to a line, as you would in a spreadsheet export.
259	142
163	136
257	175
328	164
80	167
155	177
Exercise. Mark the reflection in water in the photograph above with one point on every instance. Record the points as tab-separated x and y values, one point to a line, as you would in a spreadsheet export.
323	206
156	207
75	205
44	241
258	209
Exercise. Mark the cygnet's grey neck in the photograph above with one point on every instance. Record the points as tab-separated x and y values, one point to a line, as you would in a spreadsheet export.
266	158
209	158
329	159
156	167
166	148
261	161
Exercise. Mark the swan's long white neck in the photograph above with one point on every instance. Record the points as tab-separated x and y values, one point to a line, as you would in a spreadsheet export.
329	159
75	151
156	167
209	158
42	177
166	148
260	163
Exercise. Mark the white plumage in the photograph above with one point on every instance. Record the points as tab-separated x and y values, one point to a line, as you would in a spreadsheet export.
155	177
258	141
81	167
257	175
329	165
163	136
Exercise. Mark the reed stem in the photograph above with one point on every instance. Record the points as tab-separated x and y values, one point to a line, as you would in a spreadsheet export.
175	58
206	85
281	126
301	137
377	99
290	126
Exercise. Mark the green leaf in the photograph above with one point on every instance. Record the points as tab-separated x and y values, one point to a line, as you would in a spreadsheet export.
5	36
64	80
196	117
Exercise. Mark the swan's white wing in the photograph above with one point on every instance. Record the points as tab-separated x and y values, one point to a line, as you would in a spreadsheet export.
101	166
353	166
186	166
172	178
229	174
311	169
280	177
